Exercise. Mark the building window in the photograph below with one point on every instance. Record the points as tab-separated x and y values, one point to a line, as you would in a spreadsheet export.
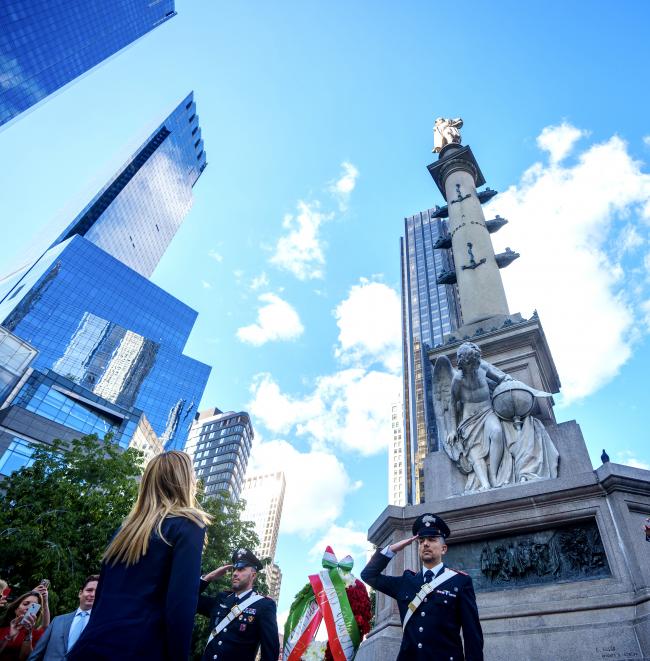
16	456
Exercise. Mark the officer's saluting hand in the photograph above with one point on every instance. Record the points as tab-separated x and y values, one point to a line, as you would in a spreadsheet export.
242	620
434	603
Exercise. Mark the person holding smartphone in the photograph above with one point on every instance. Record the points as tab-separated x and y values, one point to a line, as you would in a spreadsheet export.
149	581
21	626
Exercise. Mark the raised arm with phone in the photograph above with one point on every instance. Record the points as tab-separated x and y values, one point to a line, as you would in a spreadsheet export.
21	626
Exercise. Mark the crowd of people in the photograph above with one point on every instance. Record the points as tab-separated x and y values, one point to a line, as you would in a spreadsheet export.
142	603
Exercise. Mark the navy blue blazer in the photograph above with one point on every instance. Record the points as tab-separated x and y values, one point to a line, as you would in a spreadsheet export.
240	640
146	611
433	632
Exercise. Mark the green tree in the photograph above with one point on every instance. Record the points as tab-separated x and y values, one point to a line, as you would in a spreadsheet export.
58	515
226	534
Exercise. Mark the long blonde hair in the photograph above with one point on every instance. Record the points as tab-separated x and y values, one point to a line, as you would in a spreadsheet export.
167	488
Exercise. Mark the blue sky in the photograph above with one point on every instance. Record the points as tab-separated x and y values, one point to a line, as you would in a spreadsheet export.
317	122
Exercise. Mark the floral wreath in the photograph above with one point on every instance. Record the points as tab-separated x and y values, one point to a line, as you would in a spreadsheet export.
339	598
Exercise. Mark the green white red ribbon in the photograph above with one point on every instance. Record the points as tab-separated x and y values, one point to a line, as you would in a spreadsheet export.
327	599
301	626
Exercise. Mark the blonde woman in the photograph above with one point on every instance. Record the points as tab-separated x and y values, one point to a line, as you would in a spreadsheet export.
149	583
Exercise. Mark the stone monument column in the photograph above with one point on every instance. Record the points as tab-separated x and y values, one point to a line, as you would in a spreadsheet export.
556	550
480	287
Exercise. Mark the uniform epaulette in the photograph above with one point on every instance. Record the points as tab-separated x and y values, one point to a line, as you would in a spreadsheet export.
408	571
460	571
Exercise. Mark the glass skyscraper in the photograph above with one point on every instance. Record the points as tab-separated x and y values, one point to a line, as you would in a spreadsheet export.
106	328
220	444
136	215
45	44
429	311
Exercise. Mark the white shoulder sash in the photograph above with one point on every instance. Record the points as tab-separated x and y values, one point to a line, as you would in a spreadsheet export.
425	590
234	612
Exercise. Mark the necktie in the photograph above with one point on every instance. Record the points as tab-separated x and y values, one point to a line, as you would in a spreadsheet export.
77	627
428	576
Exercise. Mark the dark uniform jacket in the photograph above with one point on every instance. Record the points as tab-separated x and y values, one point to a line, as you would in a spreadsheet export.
240	640
145	612
433	632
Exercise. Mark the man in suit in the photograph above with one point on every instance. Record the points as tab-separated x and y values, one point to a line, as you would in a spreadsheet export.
434	603
64	630
241	619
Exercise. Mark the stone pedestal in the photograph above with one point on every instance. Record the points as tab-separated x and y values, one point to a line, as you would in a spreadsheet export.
561	567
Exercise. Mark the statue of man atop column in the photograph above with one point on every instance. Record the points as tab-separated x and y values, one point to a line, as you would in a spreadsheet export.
446	131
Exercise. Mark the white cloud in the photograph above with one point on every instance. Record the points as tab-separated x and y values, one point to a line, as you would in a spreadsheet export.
316	484
369	326
628	458
559	140
646	140
205	284
259	282
350	408
342	188
277	320
344	540
300	251
567	222
218	257
277	411
629	240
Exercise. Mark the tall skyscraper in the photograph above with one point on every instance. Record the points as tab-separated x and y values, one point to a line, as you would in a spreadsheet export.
220	444
45	44
264	496
107	329
86	304
429	311
274	580
137	213
396	463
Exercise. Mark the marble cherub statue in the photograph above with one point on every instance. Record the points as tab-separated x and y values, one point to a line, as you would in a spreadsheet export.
485	426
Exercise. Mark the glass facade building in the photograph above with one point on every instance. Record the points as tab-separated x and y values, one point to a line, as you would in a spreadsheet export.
429	311
107	329
45	44
47	406
15	357
137	213
220	444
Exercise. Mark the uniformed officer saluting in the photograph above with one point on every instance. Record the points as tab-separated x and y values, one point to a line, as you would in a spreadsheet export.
241	620
435	603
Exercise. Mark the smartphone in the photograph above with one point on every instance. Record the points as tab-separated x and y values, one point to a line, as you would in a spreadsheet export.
6	592
32	610
46	583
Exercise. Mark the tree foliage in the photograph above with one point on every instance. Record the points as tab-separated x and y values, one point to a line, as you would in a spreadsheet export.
59	514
